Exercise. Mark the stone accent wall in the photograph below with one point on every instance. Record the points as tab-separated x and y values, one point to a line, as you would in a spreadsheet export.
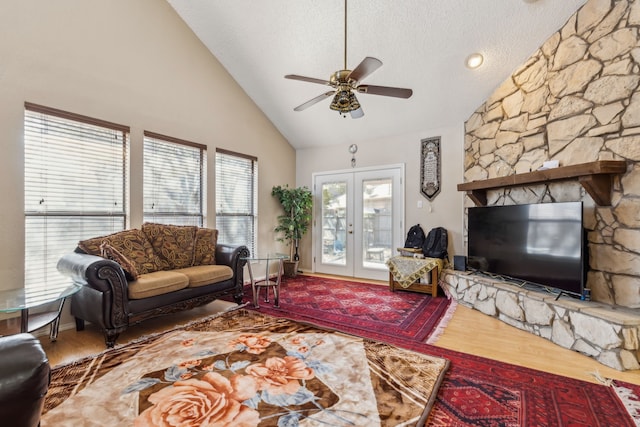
591	328
576	100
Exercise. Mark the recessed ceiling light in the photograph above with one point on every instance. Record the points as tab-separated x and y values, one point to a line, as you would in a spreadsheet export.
474	60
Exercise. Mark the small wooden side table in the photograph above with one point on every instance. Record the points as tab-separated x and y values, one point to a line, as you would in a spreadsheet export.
405	274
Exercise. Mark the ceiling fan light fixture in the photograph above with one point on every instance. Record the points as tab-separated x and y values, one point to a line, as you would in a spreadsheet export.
345	82
344	102
474	60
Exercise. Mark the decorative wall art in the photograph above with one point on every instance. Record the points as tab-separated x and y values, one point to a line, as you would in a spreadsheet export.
430	167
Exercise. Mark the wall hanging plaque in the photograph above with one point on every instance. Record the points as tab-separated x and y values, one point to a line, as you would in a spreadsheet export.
430	167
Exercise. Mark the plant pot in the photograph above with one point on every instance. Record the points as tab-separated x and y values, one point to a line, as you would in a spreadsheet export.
290	268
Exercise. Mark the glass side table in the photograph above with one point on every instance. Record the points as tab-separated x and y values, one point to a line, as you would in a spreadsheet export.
267	283
22	300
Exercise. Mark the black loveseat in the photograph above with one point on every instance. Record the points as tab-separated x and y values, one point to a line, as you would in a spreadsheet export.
122	288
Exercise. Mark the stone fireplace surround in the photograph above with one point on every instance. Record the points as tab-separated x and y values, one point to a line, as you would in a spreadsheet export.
575	100
606	333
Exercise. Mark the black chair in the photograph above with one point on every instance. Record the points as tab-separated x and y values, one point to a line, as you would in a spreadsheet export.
25	375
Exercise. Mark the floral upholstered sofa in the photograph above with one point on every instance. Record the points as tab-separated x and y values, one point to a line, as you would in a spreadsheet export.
137	274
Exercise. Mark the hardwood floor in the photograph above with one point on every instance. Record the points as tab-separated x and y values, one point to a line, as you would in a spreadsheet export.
472	332
468	331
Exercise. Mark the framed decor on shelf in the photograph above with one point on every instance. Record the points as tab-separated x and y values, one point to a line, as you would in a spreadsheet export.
430	167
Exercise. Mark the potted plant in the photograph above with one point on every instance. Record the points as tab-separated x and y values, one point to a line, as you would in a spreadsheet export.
294	222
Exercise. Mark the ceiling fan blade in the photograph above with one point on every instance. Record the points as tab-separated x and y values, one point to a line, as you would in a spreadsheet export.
396	92
356	114
315	100
307	79
366	67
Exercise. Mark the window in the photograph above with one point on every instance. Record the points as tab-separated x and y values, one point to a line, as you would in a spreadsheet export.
173	187
75	175
236	198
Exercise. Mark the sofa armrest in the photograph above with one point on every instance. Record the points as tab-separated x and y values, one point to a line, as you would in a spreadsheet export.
103	298
233	257
24	379
91	270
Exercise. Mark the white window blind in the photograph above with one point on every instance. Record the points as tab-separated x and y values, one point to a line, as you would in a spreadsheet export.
173	186
75	175
236	198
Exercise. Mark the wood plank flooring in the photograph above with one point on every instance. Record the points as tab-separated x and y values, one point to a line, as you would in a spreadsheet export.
469	331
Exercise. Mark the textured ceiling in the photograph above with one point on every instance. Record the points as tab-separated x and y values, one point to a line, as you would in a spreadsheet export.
422	44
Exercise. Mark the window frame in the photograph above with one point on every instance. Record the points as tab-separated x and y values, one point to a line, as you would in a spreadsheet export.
252	242
165	217
44	246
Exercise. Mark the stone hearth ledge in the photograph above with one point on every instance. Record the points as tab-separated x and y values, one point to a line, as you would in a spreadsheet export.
604	332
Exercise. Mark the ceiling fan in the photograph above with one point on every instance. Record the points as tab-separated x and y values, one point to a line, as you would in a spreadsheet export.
345	82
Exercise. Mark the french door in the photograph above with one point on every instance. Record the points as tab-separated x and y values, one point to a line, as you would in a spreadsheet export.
358	219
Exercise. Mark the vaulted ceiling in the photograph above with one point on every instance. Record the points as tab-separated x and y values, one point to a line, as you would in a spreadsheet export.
422	44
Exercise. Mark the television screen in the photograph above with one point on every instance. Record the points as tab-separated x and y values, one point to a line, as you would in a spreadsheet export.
539	243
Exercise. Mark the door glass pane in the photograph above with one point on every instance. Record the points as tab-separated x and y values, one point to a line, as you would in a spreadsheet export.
334	232
377	222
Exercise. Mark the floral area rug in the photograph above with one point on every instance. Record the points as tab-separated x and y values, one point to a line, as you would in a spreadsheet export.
243	368
362	309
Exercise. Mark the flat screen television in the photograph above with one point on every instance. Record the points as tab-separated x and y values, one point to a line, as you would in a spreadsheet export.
539	243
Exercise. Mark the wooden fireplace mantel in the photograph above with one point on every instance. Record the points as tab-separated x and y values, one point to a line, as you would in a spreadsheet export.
596	178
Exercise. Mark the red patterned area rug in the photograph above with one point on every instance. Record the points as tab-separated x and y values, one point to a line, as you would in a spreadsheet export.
358	308
484	392
476	391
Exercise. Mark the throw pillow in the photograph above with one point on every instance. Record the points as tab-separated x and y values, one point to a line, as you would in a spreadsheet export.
133	244
92	246
173	243
109	252
205	247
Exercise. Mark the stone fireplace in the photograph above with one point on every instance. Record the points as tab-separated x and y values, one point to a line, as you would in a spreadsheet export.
576	100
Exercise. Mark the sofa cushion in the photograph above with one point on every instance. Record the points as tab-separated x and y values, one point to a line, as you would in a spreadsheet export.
201	275
129	267
205	247
172	243
157	283
133	244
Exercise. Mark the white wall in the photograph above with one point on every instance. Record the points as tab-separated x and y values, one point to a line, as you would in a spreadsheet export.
134	63
446	210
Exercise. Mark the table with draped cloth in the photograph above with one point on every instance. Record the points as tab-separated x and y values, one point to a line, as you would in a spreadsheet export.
405	273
